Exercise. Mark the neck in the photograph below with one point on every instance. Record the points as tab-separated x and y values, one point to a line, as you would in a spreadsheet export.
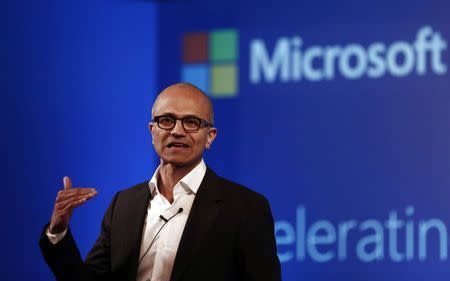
169	175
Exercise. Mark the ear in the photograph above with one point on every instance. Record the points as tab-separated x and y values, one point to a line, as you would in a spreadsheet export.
211	136
151	126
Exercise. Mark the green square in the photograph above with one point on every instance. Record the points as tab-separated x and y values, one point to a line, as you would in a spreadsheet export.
223	45
224	80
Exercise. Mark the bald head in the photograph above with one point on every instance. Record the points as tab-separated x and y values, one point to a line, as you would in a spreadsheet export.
188	92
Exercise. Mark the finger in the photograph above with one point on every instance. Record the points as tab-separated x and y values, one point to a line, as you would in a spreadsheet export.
60	205
74	204
71	205
67	182
67	193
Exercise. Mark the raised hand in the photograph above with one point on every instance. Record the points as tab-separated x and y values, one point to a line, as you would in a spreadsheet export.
68	199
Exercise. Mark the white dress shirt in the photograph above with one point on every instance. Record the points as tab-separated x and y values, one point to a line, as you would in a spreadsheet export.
157	263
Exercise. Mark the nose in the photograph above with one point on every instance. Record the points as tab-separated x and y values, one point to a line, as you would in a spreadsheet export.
178	129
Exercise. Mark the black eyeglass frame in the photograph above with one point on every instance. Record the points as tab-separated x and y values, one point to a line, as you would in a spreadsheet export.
201	122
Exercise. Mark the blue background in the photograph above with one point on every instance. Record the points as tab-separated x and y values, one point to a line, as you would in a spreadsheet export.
79	82
79	79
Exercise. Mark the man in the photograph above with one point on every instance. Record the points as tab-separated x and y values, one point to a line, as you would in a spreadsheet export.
187	223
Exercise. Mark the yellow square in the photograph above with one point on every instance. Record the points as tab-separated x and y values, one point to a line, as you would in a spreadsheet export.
224	80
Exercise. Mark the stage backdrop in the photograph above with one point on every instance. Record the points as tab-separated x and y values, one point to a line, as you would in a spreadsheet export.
338	112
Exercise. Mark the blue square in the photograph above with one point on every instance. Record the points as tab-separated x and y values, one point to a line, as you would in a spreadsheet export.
197	74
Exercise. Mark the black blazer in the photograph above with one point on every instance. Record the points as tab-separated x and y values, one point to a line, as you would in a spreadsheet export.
229	235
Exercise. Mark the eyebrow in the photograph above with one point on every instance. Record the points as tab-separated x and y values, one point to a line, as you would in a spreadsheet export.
177	116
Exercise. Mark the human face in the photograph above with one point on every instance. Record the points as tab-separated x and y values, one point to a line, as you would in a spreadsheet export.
176	146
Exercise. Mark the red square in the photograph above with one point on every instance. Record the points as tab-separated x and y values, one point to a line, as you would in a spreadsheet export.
195	47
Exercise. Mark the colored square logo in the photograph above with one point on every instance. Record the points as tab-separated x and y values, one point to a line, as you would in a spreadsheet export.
195	47
197	74
224	78
223	45
210	61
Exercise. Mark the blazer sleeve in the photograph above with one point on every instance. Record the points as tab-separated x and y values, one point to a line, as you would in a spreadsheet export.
65	261
257	247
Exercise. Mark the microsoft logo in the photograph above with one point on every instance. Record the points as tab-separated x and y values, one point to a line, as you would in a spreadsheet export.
210	61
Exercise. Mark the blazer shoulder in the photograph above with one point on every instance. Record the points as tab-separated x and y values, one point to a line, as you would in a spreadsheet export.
240	192
135	188
133	193
250	204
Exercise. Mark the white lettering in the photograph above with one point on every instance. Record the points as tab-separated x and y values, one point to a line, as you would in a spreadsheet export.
288	62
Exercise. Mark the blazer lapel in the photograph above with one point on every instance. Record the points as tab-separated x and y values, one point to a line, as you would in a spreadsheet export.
131	226
204	209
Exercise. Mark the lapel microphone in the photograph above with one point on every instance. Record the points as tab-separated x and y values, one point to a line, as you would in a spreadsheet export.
167	220
180	210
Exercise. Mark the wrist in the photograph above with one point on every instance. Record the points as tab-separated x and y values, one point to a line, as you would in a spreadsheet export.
55	230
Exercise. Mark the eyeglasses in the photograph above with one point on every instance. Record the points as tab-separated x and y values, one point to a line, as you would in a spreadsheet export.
190	123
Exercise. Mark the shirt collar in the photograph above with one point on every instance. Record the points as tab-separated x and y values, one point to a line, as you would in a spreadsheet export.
191	180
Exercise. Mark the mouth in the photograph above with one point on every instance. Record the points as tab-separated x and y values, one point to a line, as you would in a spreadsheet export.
177	145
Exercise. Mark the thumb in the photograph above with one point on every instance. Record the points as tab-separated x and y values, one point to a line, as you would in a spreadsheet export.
67	183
